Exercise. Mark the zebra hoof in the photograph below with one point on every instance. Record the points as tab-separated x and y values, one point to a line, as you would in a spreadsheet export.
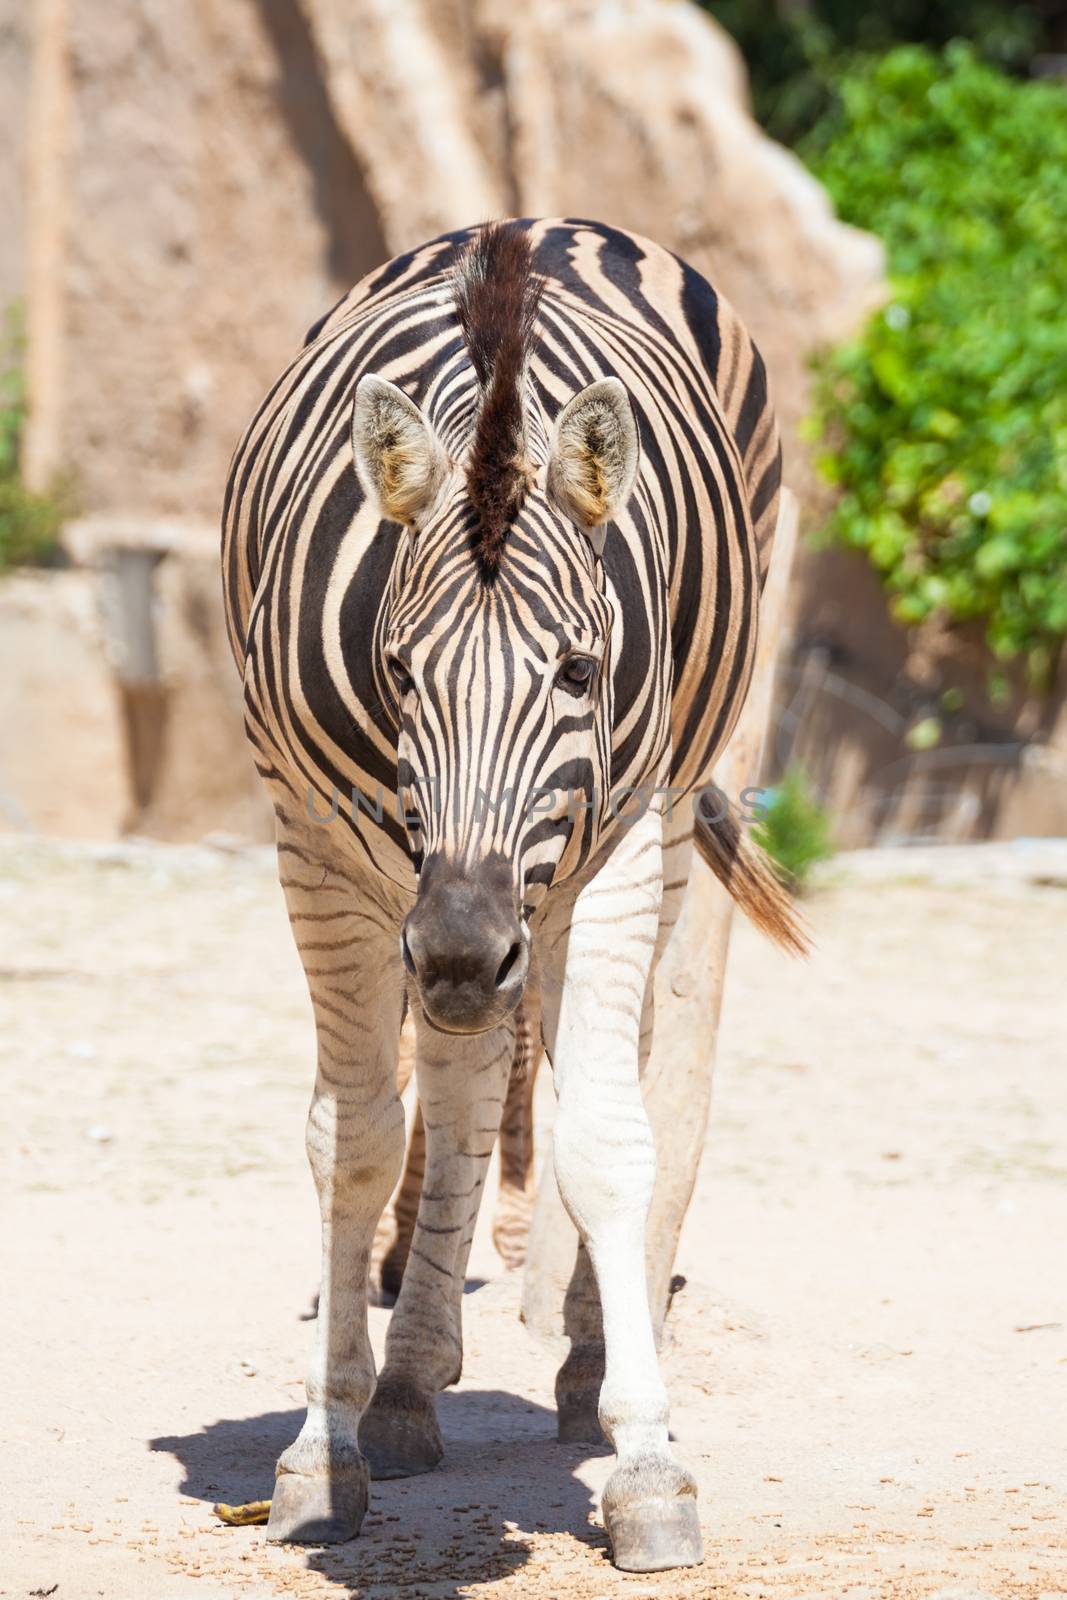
398	1433
317	1510
650	1511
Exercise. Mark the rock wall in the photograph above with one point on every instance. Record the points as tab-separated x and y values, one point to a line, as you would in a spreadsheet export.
229	167
211	210
62	759
89	749
14	104
638	113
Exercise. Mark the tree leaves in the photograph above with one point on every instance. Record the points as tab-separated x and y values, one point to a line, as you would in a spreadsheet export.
944	425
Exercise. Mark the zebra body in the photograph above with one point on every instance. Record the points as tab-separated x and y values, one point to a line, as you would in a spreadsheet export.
493	548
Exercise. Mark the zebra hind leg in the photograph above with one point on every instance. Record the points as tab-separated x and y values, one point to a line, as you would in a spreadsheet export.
394	1258
392	1241
581	1377
514	1205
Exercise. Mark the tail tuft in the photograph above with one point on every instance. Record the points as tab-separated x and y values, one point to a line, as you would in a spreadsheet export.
748	875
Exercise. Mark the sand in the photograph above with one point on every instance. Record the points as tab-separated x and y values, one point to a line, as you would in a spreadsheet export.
868	1362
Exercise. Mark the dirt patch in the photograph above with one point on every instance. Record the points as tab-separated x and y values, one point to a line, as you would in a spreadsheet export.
868	1362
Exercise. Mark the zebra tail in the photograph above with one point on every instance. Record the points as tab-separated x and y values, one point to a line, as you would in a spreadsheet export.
748	875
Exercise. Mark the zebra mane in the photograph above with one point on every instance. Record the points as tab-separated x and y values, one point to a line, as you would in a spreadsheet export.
497	295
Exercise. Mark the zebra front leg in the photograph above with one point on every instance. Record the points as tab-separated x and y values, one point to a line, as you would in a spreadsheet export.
462	1081
511	1218
355	1142
579	1379
581	1376
605	1166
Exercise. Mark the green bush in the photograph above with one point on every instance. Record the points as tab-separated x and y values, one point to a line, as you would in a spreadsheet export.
29	523
944	425
794	829
796	53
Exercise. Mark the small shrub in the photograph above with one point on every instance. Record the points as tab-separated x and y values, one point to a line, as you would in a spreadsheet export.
944	424
796	53
29	523
794	828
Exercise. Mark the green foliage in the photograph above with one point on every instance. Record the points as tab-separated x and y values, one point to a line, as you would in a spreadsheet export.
794	829
944	425
796	53
790	59
29	523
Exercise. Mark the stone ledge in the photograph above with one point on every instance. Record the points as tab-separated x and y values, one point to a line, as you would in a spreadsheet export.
89	540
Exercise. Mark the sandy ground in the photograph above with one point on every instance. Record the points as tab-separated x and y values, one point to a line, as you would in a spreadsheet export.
868	1363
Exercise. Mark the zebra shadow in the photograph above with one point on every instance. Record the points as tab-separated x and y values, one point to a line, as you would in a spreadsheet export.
505	1482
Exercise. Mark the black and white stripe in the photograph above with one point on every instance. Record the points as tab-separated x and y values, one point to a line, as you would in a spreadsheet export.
539	670
314	581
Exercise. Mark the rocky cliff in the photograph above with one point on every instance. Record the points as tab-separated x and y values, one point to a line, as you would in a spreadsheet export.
226	168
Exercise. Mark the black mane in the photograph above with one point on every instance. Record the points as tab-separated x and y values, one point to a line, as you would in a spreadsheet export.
497	295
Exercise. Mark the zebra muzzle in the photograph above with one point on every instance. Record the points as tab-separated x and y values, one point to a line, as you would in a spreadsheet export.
465	945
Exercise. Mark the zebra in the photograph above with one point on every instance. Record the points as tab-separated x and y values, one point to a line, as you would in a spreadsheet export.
492	554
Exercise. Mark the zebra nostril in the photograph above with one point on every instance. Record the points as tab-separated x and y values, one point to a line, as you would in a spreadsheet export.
507	966
405	951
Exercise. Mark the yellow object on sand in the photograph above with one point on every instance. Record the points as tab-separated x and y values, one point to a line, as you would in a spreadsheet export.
243	1516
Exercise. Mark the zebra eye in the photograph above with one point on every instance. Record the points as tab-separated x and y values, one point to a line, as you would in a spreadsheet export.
402	679
576	674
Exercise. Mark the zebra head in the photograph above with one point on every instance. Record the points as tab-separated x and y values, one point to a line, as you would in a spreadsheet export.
496	663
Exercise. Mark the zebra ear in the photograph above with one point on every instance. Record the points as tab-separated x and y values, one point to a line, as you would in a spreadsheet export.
398	456
592	459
